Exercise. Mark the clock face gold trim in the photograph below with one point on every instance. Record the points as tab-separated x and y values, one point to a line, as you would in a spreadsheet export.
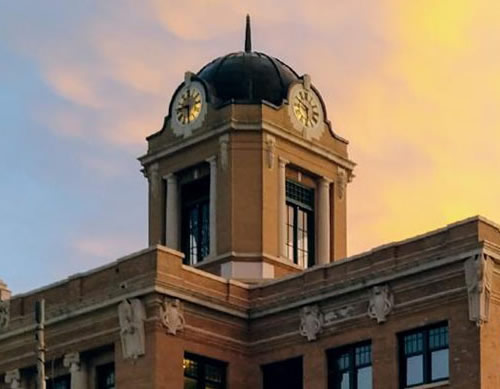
189	105
306	108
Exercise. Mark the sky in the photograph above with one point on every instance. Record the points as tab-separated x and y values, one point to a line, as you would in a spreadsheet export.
413	85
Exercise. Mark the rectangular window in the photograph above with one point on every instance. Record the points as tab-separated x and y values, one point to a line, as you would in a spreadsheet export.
195	220
105	376
63	382
350	367
284	374
300	224
203	373
424	355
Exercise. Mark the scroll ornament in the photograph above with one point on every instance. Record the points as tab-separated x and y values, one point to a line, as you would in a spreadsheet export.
4	315
172	316
381	303
311	322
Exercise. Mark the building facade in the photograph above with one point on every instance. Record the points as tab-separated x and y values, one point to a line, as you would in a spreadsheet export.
245	282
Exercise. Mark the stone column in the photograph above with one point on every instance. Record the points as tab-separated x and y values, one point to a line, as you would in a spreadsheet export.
172	217
323	222
213	206
78	374
282	208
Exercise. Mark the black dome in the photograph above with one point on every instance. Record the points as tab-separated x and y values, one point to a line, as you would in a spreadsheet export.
248	77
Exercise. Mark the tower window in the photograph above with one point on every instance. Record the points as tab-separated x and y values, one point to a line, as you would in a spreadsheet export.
63	382
300	224
195	220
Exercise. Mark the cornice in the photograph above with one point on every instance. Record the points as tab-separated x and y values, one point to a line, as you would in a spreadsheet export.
236	125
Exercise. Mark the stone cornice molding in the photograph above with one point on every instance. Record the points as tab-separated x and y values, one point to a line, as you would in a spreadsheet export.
234	125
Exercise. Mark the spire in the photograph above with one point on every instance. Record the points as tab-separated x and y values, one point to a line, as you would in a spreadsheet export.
248	36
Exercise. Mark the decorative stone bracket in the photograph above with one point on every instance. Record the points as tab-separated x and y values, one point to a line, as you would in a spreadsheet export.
4	315
311	322
270	146
223	151
478	278
172	316
381	303
132	315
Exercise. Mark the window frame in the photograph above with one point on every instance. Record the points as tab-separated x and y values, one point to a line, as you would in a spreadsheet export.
106	368
309	210
54	381
277	368
333	355
202	362
426	355
187	205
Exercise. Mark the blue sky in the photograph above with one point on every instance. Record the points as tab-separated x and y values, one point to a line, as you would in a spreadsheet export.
414	86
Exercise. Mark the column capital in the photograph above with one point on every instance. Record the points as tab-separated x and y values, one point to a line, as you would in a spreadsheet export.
211	160
170	177
325	181
282	161
13	377
72	361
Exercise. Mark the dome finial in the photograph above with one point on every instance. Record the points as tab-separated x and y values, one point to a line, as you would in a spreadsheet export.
248	36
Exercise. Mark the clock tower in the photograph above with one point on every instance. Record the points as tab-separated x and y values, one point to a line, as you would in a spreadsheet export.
247	177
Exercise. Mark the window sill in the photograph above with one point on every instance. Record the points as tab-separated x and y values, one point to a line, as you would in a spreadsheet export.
432	385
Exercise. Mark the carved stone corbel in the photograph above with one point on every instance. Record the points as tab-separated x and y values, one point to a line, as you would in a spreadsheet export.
13	378
311	322
4	315
223	151
132	314
478	278
71	361
381	303
172	316
341	182
270	146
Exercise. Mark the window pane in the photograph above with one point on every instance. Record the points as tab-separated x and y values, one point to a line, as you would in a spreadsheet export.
415	370
213	373
190	367
365	378
363	355
438	338
343	362
205	227
414	343
344	381
440	365
190	383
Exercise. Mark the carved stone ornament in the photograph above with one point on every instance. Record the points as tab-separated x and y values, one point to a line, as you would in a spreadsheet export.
341	182
132	315
270	146
224	144
381	303
71	361
478	278
311	322
13	377
4	315
172	316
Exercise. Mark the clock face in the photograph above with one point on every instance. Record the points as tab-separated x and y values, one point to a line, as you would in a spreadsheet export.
188	105
306	107
306	111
